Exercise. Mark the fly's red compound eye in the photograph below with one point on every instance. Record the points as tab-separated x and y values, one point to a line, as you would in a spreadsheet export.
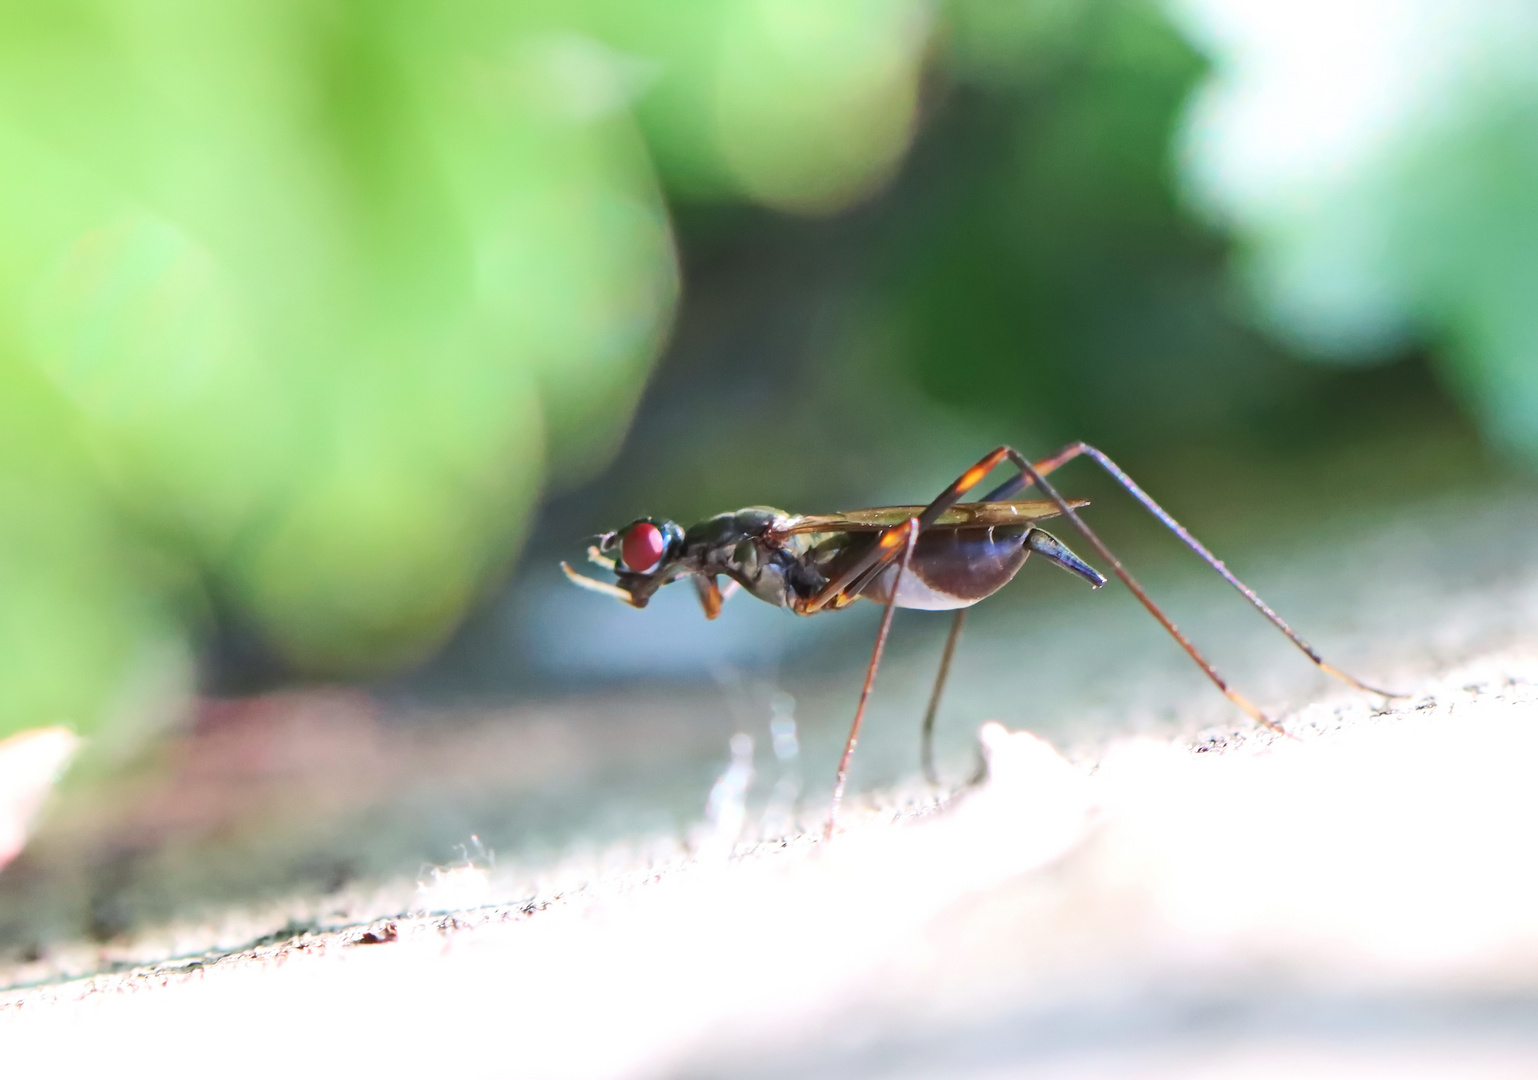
642	547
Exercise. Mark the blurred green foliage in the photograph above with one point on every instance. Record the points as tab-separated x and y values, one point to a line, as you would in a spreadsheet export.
1060	236
302	306
1380	169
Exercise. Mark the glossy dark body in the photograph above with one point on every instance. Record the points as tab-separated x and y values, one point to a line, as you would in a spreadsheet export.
950	568
793	561
741	545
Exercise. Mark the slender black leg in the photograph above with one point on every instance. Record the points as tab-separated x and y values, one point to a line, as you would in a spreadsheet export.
927	733
839	781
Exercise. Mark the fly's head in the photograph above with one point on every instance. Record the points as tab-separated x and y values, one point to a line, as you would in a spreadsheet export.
644	556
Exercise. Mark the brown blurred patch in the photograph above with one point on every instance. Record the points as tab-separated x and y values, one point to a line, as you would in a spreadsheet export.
307	791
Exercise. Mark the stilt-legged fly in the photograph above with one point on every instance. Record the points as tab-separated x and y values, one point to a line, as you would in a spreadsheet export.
944	556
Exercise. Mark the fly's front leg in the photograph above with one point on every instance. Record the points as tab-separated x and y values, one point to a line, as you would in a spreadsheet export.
712	593
709	592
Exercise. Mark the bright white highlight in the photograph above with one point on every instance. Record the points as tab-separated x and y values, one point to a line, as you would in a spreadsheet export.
726	809
31	762
1299	139
460	887
1388	858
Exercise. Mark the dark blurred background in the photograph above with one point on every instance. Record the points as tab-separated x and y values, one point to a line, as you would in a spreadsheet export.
327	330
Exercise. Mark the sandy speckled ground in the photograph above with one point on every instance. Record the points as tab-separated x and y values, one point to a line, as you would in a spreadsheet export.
1360	900
1141	888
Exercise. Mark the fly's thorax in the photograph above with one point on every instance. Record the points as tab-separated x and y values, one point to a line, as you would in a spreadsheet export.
734	525
738	544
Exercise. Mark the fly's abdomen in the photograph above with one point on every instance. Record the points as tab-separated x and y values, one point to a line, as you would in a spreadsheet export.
955	568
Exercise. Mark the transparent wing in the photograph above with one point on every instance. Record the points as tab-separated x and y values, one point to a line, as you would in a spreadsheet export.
962	515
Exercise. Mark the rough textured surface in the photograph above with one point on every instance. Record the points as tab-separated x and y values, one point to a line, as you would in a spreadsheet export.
1362	898
1173	897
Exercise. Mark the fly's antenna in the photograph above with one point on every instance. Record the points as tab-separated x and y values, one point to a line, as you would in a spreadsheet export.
596	556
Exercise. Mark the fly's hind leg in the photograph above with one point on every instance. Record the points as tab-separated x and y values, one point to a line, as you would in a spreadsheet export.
886	549
1031	476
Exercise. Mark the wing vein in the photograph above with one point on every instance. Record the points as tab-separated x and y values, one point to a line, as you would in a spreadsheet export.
960	516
